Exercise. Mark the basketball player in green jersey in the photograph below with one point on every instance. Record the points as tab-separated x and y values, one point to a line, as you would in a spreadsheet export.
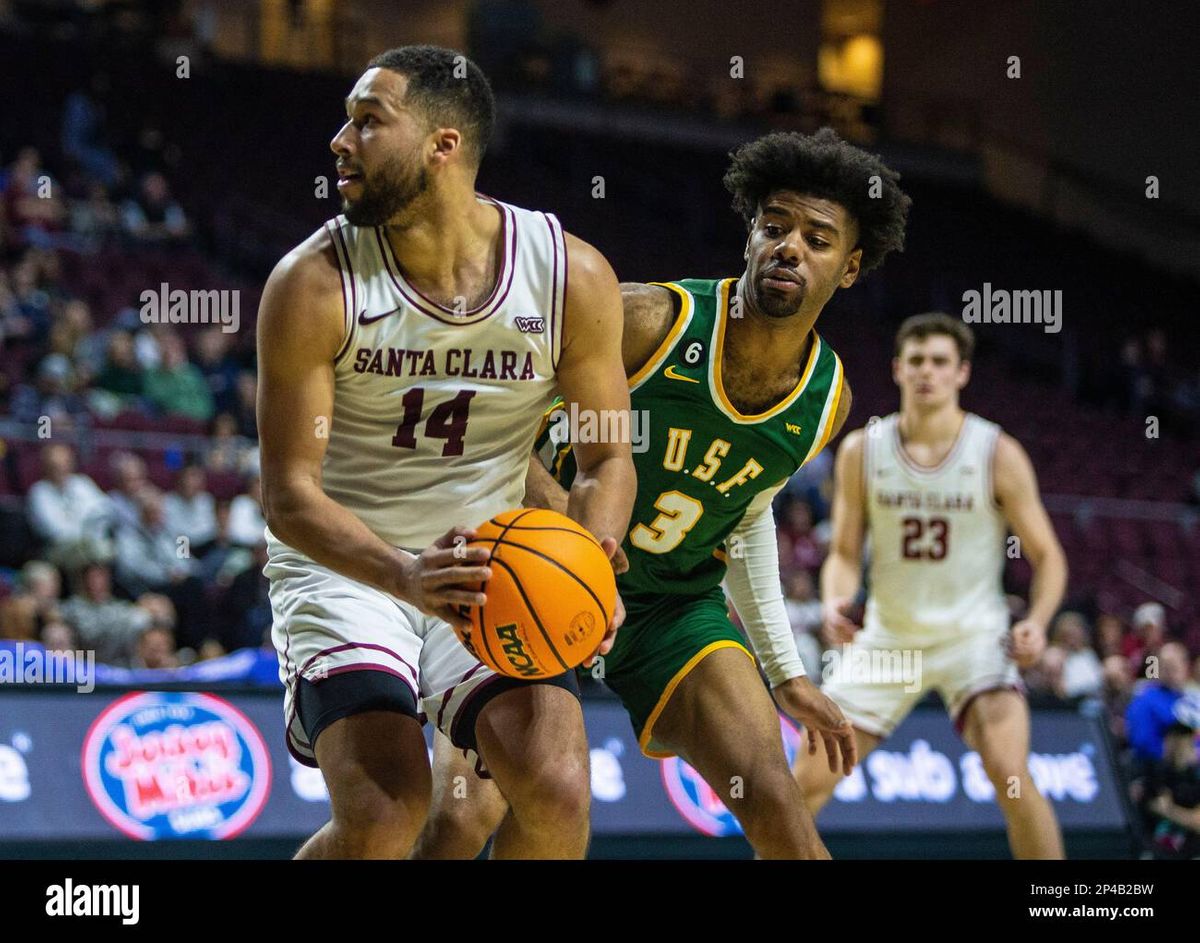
739	391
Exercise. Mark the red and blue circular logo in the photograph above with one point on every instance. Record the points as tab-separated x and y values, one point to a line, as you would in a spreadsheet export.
696	801
176	765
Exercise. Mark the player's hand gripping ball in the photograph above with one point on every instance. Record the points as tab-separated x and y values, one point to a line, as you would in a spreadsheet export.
549	599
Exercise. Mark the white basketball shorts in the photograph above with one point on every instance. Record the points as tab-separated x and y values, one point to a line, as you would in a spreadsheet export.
879	677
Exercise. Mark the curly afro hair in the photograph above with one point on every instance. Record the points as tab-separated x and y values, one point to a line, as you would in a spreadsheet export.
825	166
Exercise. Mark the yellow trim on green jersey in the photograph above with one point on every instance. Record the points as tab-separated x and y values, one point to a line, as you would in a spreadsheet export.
714	366
668	342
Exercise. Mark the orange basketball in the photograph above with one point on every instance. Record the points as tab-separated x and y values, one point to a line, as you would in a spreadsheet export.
550	597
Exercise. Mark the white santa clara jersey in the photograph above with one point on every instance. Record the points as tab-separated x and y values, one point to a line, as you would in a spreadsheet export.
435	409
937	536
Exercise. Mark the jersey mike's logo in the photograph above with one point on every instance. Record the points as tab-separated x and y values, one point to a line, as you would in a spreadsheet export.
176	765
699	804
531	325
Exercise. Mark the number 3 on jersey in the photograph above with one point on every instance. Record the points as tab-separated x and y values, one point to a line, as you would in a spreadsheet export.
678	514
447	421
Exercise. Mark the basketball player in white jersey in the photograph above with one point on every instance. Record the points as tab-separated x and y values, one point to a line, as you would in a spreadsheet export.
937	490
407	351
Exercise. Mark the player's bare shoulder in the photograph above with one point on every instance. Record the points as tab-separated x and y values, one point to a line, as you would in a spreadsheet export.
1012	471
851	449
591	277
303	297
650	310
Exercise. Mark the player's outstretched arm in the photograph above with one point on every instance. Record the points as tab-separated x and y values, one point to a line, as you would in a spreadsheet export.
1021	504
841	574
591	377
300	328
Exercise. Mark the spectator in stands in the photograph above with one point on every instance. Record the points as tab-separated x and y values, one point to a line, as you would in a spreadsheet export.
83	134
1149	634
32	201
149	558
176	387
129	472
59	637
807	551
65	509
811	484
71	334
223	559
53	396
35	604
1045	679
32	300
247	607
247	394
122	375
90	345
160	609
246	522
18	618
227	451
147	552
109	626
210	649
1173	790
1117	693
96	220
219	369
153	216
1110	635
13	324
804	614
156	649
190	510
1082	674
1155	705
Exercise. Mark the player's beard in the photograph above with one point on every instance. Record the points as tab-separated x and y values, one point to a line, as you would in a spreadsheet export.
775	305
389	191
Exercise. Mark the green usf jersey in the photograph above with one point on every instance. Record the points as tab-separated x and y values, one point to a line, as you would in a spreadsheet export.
703	460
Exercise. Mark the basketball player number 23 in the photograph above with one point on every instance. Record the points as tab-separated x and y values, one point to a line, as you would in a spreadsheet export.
936	529
447	421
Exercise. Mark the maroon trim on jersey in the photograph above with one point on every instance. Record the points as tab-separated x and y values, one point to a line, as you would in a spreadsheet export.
482	686
867	468
295	751
291	738
450	691
375	666
554	352
990	474
349	645
960	718
494	301
929	469
554	288
352	308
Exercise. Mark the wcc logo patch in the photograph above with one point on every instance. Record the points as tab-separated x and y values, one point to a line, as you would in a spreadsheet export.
176	765
531	325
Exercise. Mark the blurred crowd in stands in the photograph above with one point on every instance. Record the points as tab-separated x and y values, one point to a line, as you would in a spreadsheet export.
129	554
